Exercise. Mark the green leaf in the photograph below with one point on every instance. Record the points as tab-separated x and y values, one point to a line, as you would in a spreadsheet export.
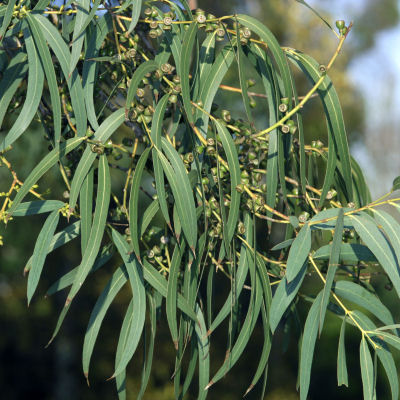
383	353
135	274
156	128
40	252
210	88
172	292
50	73
266	35
67	279
284	245
262	365
242	75
367	370
389	338
349	252
37	207
234	173
82	11
86	209
105	130
183	195
342	376
11	80
152	300
253	311
362	297
134	203
63	55
32	96
136	7
84	22
7	18
204	354
120	380
333	113
159	283
373	237
206	58
89	70
140	72
97	231
396	184
391	228
187	47
114	285
333	264
284	294
298	252
308	345
240	276
40	169
264	67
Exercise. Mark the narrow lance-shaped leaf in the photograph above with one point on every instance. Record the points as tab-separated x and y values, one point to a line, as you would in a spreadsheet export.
136	7
333	113
106	129
367	370
183	195
120	380
58	240
349	252
204	354
99	311
242	75
63	55
96	233
37	207
241	274
187	47
172	293
363	298
392	229
43	166
11	79
50	73
33	93
67	279
298	252
152	300
40	252
333	264
135	274
7	18
342	377
89	70
284	295
266	35
134	203
77	39
247	327
156	128
85	208
373	237
308	344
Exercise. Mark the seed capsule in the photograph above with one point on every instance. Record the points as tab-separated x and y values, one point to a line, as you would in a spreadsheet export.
282	107
285	128
140	92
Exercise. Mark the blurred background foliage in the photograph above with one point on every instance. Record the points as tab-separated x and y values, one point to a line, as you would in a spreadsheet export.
28	370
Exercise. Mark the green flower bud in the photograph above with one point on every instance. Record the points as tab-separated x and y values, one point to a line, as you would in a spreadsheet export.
340	24
173	98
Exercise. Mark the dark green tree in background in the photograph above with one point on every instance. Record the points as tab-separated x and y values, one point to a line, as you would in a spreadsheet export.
196	170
